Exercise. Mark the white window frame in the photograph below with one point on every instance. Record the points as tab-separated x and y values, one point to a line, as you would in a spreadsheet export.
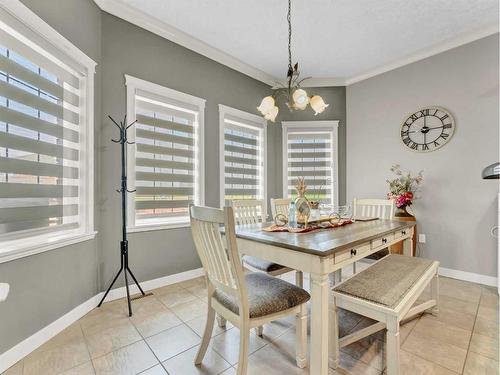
133	84
44	38
312	127
262	123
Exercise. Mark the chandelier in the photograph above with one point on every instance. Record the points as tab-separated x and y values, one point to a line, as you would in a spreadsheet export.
295	97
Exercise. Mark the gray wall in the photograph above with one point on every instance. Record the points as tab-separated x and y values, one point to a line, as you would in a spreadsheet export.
457	209
46	286
153	58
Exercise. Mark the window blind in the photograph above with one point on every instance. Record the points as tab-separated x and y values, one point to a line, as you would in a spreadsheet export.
309	155
243	159
40	136
165	158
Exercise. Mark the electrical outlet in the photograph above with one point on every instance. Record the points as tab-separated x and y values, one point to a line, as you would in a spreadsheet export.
421	238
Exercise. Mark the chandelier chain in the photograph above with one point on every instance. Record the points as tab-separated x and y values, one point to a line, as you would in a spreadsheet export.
289	19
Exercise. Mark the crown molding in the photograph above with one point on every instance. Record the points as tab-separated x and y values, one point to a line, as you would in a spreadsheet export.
426	52
154	25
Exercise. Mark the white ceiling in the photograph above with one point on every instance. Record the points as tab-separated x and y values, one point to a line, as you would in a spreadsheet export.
331	38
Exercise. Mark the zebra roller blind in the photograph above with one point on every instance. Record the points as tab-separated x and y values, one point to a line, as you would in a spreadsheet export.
166	158
243	157
310	154
41	122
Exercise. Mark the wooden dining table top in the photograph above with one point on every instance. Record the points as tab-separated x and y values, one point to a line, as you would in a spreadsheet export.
323	242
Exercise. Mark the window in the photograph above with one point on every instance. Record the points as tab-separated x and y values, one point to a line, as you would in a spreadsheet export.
46	137
166	161
310	151
242	155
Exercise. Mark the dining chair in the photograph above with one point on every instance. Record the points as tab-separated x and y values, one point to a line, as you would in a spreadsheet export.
379	208
246	300
280	206
252	211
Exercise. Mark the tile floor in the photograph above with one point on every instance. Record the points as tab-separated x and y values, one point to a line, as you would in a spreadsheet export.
163	336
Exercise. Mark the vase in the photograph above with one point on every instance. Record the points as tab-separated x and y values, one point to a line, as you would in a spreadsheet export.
402	212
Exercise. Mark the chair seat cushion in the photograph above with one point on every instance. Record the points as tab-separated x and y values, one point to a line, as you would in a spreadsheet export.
261	264
266	295
387	281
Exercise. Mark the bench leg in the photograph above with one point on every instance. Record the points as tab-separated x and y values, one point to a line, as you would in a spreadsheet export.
435	293
333	341
392	347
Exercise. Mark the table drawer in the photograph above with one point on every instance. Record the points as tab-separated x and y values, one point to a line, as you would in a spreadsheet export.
377	242
357	252
401	233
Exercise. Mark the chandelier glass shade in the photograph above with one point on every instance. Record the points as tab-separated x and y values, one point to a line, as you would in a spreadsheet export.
295	97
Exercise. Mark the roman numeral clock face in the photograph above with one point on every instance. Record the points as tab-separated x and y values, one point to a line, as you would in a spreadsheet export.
428	129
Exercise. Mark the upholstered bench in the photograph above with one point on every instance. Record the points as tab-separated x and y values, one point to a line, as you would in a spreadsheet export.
385	292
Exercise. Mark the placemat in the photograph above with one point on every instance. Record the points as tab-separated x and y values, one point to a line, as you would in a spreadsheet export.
310	228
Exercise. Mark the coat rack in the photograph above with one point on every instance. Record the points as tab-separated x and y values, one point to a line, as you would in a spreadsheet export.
123	191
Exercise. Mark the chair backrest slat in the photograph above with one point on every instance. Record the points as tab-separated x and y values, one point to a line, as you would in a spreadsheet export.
248	211
219	254
381	208
280	206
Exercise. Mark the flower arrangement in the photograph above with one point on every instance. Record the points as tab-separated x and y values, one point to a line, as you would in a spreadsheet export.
402	188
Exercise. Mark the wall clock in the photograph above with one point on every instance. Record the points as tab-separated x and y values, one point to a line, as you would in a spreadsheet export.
427	129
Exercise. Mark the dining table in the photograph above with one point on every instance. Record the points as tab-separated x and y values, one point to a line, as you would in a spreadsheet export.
321	253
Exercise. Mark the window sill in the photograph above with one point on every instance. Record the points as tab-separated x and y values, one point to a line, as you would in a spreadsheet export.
21	248
162	226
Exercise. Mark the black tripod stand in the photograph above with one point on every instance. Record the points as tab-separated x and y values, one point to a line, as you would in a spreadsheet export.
123	191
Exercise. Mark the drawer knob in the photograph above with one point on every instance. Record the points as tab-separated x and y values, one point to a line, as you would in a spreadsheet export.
403	232
384	240
353	252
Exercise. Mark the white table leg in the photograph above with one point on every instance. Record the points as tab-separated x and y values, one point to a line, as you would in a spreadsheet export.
319	324
333	344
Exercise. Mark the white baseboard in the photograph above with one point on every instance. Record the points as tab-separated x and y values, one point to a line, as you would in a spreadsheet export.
469	276
25	347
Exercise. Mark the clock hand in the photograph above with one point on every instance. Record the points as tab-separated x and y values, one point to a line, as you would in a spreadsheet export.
436	127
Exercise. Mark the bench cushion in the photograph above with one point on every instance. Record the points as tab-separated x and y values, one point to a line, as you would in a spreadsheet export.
266	295
387	281
261	264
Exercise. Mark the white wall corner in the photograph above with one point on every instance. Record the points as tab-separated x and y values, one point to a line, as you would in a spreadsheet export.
468	276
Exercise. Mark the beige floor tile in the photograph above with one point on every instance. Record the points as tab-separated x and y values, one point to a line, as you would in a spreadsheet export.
17	369
368	350
483	345
489	290
198	325
111	338
166	289
84	369
349	320
275	329
190	310
173	341
487	312
406	328
446	355
176	297
454	318
459	289
69	334
489	300
477	364
199	291
58	359
183	364
227	344
199	281
457	305
364	322
353	366
129	360
486	327
111	313
443	332
270	361
229	371
152	317
155	370
412	365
